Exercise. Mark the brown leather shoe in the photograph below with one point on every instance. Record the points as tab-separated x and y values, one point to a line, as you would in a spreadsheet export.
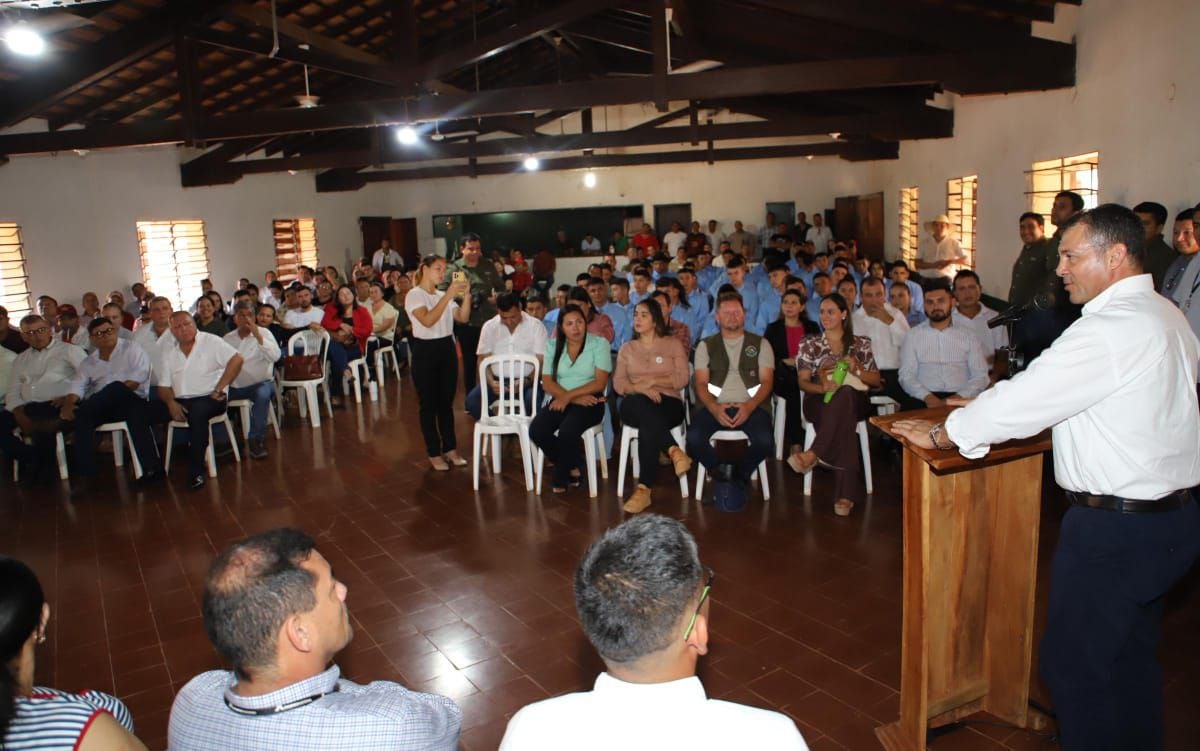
639	501
680	459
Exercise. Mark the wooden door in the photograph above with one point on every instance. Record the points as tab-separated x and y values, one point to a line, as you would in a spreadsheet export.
672	212
868	228
403	234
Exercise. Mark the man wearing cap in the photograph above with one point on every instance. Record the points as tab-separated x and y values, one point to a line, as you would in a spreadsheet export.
68	329
940	254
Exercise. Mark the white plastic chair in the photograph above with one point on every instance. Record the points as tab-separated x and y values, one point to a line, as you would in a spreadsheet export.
810	435
593	451
358	376
309	401
60	454
381	356
210	456
120	438
779	422
243	407
506	415
733	435
884	405
629	436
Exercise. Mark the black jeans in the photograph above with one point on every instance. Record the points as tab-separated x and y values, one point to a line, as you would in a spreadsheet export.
1110	575
654	423
435	376
787	387
565	449
468	343
40	456
113	403
757	427
891	387
200	409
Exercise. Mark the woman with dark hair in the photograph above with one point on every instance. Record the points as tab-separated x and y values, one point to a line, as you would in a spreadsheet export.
206	317
435	360
675	327
265	316
574	377
218	305
45	718
597	322
651	369
819	359
349	325
785	334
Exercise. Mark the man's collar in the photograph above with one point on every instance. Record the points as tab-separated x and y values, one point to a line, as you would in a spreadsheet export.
1129	285
321	683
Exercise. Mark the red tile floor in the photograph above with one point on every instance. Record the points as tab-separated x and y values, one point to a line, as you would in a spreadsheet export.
468	594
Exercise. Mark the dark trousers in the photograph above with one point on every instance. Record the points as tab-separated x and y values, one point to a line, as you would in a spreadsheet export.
113	403
200	409
788	389
565	449
260	396
1110	574
468	343
891	386
435	376
40	456
654	423
340	356
758	428
836	440
909	402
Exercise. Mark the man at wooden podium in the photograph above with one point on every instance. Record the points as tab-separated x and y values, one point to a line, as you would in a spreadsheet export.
1118	389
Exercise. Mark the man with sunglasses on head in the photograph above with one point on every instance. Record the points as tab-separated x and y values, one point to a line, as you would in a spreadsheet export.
110	385
643	601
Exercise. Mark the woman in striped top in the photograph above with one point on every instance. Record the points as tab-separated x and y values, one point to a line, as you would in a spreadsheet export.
39	718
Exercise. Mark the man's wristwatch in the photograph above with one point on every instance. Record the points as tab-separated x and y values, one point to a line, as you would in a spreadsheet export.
935	436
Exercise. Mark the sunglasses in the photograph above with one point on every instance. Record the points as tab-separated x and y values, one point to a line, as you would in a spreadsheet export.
704	593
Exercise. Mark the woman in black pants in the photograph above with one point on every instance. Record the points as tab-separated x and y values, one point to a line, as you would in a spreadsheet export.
435	361
574	376
651	370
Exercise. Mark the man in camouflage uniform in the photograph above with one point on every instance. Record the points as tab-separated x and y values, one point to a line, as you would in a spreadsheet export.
485	284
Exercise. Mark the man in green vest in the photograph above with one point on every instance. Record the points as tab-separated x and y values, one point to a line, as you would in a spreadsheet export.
1033	271
485	285
735	370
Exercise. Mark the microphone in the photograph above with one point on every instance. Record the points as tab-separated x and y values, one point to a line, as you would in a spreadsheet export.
1041	301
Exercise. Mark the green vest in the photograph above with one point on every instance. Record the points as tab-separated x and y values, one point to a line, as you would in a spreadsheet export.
484	282
718	360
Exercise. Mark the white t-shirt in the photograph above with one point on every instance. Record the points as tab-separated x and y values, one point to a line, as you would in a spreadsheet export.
944	250
419	298
990	339
674	241
195	374
258	360
298	319
528	339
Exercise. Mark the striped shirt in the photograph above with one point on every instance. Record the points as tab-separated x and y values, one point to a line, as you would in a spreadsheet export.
53	720
943	361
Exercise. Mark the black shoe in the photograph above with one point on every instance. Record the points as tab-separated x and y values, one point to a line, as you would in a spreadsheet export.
151	478
197	482
80	487
222	450
257	448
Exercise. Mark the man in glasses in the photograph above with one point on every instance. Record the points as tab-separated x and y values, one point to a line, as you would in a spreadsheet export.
111	385
41	377
642	598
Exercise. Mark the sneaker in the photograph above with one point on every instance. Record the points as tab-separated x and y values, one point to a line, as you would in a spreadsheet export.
680	460
197	482
639	501
257	448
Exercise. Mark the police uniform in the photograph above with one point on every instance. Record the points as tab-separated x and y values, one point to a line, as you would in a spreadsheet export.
485	283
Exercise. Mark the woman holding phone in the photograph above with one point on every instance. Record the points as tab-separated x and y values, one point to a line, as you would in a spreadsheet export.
435	361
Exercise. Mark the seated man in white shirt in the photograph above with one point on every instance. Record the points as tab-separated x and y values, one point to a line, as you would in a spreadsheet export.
158	331
938	358
305	316
511	332
643	600
970	311
385	256
886	328
256	381
197	368
275	611
110	385
41	378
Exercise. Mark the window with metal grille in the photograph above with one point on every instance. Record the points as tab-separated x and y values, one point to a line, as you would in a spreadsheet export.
174	257
1080	174
909	224
295	246
962	196
14	281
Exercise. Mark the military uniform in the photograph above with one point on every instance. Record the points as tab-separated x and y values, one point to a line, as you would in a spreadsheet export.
1033	271
485	283
1159	257
1038	329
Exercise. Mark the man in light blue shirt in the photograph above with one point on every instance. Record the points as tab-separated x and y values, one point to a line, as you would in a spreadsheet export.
642	286
110	385
821	285
705	273
938	358
899	274
736	270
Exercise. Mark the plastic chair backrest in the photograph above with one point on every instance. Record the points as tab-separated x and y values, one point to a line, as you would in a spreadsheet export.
306	340
511	372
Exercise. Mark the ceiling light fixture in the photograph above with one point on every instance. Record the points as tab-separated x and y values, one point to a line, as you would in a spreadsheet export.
532	164
21	39
835	135
437	133
306	100
406	135
589	179
809	157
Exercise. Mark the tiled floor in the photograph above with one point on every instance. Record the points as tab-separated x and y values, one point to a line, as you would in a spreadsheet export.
468	594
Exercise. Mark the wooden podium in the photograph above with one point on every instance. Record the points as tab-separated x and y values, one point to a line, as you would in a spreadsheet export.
970	567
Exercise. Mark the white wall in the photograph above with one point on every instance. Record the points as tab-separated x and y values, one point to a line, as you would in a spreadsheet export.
1136	102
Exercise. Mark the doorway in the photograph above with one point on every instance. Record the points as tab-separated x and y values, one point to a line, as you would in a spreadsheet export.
784	211
861	218
666	213
401	233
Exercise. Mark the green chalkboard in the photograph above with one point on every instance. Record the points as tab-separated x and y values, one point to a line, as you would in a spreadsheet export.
536	229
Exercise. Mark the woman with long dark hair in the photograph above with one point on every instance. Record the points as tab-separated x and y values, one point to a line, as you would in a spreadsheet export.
785	334
574	376
349	325
836	421
435	360
651	370
597	322
206	317
45	718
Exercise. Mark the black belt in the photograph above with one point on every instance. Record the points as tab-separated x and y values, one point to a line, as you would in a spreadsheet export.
1171	502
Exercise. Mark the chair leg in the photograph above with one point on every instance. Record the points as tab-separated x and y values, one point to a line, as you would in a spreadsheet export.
237	453
118	444
273	419
541	464
623	459
210	456
302	401
603	455
137	463
60	450
475	456
328	402
170	446
810	435
868	480
699	482
681	441
589	453
313	400
526	456
762	477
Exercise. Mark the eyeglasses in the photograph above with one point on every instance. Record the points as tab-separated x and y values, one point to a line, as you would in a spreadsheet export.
38	330
104	332
708	583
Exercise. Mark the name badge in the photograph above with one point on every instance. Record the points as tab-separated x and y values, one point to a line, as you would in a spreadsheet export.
658	360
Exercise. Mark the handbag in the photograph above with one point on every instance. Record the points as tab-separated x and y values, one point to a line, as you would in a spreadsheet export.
302	368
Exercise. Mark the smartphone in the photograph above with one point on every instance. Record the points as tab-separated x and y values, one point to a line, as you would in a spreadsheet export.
460	276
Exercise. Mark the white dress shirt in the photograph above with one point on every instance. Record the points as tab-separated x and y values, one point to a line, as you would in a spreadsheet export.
390	258
637	716
528	339
42	375
258	360
819	237
7	358
949	359
1118	387
419	298
989	339
944	250
299	319
886	340
153	342
195	374
128	362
